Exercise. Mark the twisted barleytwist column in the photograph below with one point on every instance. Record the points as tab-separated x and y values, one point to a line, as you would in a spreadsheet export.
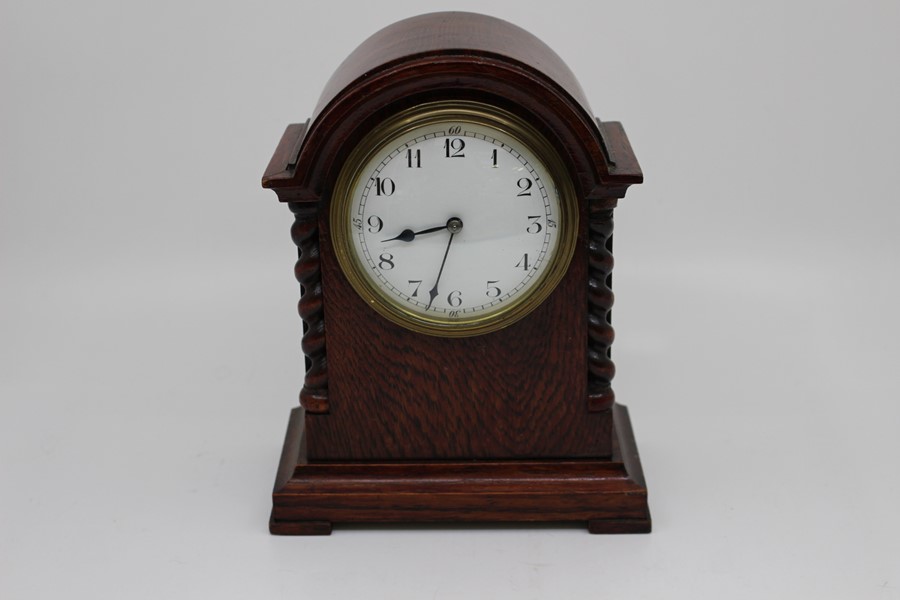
307	270
600	300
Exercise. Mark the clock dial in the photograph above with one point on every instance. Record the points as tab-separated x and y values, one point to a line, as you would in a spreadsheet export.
454	220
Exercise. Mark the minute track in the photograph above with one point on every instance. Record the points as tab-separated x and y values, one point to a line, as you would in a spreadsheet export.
467	295
408	185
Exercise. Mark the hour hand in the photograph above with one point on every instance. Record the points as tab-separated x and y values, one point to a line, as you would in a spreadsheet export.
408	235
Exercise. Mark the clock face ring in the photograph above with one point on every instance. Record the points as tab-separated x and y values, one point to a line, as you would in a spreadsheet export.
454	218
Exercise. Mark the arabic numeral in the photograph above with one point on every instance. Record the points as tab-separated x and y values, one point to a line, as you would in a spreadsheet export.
524	186
375	224
414	159
534	226
386	261
524	263
384	186
453	148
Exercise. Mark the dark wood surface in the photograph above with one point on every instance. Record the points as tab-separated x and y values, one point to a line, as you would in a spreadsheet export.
445	56
536	393
601	369
451	34
308	271
519	392
608	496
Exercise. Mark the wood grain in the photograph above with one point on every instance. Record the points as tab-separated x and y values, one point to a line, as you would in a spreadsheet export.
393	420
307	270
518	392
608	496
601	369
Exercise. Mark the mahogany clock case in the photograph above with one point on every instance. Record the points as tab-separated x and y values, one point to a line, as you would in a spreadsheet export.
516	425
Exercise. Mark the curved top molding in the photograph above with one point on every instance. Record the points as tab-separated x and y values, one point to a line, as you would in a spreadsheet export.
447	34
445	56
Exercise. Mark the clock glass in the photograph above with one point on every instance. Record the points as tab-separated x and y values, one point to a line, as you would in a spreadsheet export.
454	219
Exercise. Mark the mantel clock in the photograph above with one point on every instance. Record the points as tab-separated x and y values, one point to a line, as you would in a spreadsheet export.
453	201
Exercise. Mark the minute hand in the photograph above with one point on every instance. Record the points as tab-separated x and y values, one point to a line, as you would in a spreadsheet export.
434	291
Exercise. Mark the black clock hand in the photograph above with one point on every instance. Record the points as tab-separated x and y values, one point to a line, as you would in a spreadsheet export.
434	291
408	235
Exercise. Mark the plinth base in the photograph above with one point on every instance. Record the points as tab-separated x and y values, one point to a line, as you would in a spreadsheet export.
609	496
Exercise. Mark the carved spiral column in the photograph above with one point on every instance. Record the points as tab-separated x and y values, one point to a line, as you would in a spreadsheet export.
601	369
307	270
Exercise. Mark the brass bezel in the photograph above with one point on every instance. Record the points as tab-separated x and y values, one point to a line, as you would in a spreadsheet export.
463	112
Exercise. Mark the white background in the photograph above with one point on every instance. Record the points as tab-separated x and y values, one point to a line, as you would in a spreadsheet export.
149	348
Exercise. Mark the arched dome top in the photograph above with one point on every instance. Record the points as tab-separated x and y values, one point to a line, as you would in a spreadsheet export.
447	56
445	34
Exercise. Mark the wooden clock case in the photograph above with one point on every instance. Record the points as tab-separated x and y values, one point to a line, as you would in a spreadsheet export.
515	425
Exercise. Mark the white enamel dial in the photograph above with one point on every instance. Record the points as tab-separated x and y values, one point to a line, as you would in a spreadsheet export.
454	222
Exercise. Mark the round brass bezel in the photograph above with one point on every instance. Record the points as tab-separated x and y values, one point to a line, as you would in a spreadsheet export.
385	134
